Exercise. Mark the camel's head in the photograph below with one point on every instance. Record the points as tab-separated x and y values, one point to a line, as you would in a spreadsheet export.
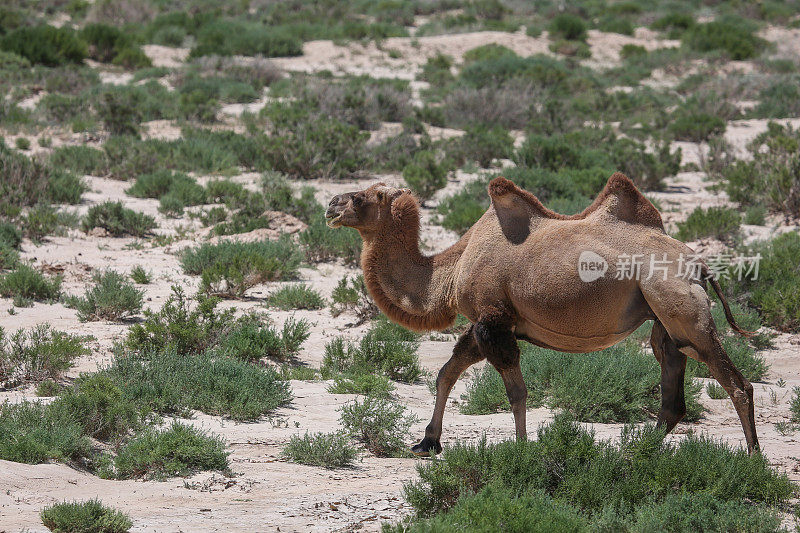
363	210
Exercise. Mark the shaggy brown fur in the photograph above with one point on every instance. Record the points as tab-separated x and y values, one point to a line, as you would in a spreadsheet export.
515	275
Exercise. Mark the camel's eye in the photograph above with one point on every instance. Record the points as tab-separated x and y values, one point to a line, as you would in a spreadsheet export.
358	200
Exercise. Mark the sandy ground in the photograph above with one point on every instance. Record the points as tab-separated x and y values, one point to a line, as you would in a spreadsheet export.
266	493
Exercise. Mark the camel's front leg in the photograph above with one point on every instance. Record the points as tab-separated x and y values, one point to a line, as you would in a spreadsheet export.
465	354
497	342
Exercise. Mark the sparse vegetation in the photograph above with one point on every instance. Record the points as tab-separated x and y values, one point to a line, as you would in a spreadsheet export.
350	294
178	450
27	283
298	296
37	354
717	222
117	220
380	423
329	450
140	275
111	298
85	517
229	268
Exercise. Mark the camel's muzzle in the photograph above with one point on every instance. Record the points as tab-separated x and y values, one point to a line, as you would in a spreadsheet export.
335	208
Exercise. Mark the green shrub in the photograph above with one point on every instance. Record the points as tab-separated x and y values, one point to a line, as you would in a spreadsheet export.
132	57
177	327
674	23
179	450
794	405
385	349
734	36
618	384
111	298
22	143
772	177
568	27
571	48
350	294
571	467
250	340
696	127
27	182
381	424
26	282
632	50
780	99
10	235
717	222
37	354
716	392
164	182
32	433
87	517
425	175
539	70
436	70
482	145
172	383
9	257
615	24
297	296
48	388
229	268
140	275
773	293
229	37
45	45
361	383
119	112
487	52
80	159
100	407
329	450
322	243
117	220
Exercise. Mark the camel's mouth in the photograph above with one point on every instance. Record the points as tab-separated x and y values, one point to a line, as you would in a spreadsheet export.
333	221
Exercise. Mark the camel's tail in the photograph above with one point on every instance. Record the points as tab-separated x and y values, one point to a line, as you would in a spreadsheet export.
728	315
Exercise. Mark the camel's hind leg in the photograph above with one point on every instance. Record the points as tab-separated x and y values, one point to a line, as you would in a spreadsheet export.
673	367
465	354
685	312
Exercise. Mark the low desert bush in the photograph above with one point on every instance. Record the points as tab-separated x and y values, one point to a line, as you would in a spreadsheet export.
87	516
112	297
734	36
436	70
386	349
27	182
696	127
140	275
773	293
229	268
252	340
779	99
37	354
619	384
350	294
567	26
28	283
615	24
10	235
32	433
328	450
117	220
100	407
794	405
361	383
322	243
166	183
772	177
297	296
79	159
425	174
180	327
171	383
715	391
482	145
110	44
45	45
717	222
673	23
568	465
178	450
380	423
229	37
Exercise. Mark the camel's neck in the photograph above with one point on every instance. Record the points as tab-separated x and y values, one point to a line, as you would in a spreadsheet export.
412	289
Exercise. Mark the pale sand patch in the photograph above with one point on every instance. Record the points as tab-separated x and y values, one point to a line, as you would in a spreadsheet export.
165	56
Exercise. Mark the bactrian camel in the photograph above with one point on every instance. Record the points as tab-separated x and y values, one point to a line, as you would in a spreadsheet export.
515	275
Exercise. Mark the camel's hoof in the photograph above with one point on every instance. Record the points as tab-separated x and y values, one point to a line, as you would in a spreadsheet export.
427	448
